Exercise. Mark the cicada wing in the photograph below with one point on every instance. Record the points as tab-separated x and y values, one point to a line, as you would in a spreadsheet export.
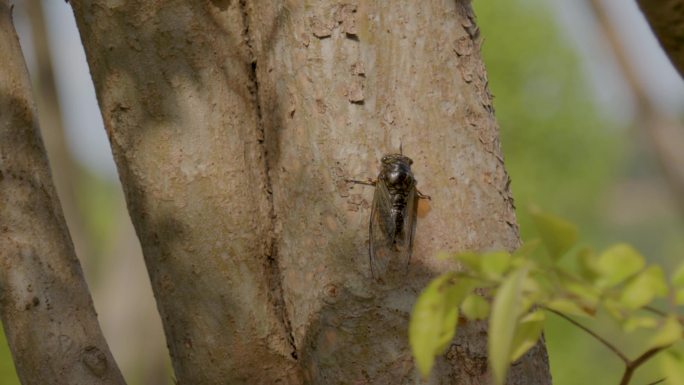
404	240
381	229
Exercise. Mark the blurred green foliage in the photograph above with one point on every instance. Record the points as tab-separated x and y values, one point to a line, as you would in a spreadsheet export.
563	154
8	376
559	151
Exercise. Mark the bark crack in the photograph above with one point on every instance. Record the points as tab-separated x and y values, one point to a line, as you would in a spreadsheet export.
274	277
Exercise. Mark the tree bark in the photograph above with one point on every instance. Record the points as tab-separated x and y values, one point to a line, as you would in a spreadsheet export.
341	84
173	81
46	310
666	18
234	126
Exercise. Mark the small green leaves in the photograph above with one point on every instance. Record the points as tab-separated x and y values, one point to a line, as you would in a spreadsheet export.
616	282
644	287
529	329
502	323
435	317
618	263
557	234
678	276
672	365
567	306
475	307
669	333
639	322
495	264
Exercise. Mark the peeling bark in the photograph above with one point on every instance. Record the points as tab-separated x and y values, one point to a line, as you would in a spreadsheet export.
666	18
46	309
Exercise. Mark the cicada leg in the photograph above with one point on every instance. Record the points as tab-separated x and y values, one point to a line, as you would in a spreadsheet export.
423	196
369	182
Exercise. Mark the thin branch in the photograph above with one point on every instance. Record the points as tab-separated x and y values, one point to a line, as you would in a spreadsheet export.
655	311
600	339
633	365
657	381
647	355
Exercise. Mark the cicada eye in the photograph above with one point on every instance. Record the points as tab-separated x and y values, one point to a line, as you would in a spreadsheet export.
384	159
410	161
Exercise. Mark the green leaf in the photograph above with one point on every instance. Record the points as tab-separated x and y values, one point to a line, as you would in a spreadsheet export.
615	309
669	333
475	307
503	322
528	332
557	234
435	317
527	248
639	322
678	276
672	366
495	264
586	262
567	307
618	263
469	260
644	287
679	297
586	295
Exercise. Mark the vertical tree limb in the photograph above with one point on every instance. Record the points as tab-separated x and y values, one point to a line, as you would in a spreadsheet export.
175	88
341	84
46	309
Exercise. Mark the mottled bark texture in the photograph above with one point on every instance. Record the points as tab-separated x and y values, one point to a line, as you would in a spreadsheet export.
46	309
234	126
174	84
666	18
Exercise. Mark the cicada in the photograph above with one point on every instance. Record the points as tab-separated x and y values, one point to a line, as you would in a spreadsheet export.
393	215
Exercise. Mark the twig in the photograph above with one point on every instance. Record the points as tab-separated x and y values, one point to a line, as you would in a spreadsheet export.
600	339
657	382
633	365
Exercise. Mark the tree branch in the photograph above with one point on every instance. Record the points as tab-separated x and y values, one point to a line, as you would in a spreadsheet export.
600	339
45	306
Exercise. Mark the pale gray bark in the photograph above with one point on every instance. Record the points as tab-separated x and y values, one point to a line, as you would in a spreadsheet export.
46	310
234	126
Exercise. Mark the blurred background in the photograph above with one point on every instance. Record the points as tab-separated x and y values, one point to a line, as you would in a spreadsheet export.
591	114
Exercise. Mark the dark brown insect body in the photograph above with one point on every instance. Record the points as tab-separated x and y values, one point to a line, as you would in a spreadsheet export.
393	216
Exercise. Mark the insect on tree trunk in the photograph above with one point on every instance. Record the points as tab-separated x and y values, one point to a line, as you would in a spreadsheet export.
235	127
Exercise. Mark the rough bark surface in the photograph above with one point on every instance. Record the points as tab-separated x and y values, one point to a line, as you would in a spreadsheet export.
666	18
234	126
47	313
174	84
340	84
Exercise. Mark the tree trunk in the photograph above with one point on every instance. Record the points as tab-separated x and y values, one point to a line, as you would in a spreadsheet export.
46	310
234	126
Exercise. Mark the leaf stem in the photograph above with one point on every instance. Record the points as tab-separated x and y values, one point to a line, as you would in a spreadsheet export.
600	339
631	366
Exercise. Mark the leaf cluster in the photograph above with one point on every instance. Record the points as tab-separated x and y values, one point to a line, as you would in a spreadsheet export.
522	288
